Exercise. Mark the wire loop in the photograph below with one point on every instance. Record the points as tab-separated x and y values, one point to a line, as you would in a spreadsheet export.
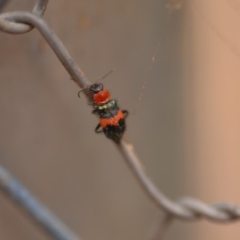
8	26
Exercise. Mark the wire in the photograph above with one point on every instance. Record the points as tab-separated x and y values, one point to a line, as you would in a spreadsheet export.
185	208
37	211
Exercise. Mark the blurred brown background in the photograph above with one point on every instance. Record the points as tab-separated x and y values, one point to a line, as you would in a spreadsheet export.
186	130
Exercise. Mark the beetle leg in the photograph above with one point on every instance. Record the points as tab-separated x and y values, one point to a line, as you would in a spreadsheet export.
97	128
94	111
125	112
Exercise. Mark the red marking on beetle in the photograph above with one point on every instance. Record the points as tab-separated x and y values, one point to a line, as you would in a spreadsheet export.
101	97
114	121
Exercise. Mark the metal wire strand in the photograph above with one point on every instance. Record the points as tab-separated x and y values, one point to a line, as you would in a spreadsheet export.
23	198
18	27
185	208
61	52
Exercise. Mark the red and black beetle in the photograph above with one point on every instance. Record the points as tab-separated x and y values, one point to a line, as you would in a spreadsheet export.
112	118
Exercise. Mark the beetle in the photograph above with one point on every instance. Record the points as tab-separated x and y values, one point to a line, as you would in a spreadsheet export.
111	117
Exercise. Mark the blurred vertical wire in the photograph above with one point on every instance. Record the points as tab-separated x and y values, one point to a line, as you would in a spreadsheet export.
2	4
37	211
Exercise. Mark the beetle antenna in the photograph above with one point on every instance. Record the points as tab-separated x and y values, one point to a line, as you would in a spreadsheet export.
80	92
105	75
99	79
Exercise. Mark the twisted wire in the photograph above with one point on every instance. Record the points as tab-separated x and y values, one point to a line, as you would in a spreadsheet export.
20	27
61	52
185	208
